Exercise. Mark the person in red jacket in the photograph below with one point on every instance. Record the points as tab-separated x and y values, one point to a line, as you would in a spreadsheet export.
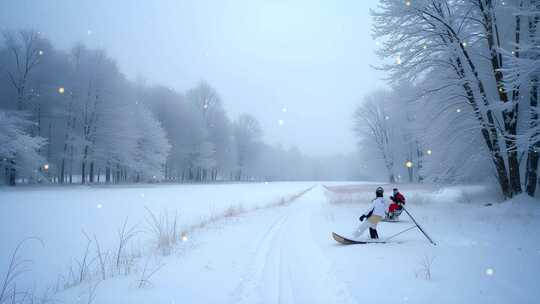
395	209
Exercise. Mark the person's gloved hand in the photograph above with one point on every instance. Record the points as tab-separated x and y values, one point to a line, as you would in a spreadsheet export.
362	218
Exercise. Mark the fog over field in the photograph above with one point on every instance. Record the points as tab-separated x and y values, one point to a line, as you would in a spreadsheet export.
291	151
309	57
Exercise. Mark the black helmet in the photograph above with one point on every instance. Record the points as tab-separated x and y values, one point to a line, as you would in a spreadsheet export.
379	192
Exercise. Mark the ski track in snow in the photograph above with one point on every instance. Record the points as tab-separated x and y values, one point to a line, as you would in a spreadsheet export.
281	271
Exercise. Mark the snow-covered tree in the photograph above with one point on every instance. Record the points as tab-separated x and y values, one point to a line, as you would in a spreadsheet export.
247	135
468	47
152	146
375	130
19	150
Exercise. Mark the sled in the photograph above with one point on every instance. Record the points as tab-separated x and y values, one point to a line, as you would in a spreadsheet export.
389	220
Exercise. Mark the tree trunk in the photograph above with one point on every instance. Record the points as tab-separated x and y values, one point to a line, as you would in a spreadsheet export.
91	172
107	174
510	117
12	173
534	149
487	130
532	157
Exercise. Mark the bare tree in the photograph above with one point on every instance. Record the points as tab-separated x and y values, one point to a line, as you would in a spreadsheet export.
372	122
23	47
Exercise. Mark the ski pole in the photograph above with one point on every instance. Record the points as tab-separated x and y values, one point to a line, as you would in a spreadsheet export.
422	230
393	236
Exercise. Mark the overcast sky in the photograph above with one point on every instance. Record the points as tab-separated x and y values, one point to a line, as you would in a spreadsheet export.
305	63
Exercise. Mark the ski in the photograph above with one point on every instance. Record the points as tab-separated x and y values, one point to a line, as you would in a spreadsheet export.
346	241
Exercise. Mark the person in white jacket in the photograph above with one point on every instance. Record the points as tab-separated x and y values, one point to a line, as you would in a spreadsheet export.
373	215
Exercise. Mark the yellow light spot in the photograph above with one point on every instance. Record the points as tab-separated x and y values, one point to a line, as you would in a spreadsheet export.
46	167
458	110
464	44
184	237
408	3
409	164
429	152
61	90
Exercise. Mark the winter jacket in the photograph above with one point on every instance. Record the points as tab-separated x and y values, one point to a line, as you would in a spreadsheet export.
398	199
378	207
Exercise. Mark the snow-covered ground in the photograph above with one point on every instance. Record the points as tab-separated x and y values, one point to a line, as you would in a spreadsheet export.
285	254
61	216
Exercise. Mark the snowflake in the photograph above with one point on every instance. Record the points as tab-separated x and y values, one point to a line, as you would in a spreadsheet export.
281	122
490	271
99	206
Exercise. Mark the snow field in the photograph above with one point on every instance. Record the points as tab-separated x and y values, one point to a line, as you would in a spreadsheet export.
485	253
71	221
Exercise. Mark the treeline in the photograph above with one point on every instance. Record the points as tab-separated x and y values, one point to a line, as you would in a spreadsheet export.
73	117
474	68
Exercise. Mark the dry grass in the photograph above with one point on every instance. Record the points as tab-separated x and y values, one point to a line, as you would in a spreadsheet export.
164	227
425	271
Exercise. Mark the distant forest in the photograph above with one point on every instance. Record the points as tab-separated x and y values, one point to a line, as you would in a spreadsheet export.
73	117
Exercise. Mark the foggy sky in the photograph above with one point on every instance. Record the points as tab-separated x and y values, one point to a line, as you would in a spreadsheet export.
305	62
